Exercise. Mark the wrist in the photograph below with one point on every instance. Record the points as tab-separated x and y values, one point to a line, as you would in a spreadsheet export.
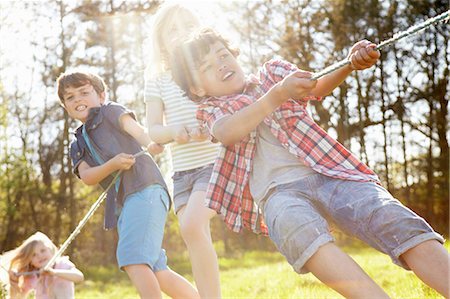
111	166
277	95
349	67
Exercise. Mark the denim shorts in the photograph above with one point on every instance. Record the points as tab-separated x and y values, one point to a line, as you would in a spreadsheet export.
189	181
141	229
296	214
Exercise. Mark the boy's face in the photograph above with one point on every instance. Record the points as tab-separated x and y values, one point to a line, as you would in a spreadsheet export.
78	101
219	73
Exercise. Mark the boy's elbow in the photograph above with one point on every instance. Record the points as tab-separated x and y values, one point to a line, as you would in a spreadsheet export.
224	134
226	138
228	141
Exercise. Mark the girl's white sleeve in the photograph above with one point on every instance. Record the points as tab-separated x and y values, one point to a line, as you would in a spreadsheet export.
152	92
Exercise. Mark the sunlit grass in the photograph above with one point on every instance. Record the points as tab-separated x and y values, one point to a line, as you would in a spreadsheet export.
258	274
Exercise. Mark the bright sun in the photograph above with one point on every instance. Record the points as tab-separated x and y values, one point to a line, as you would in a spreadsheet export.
210	12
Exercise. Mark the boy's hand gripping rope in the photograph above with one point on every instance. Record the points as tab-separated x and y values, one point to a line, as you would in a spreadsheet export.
88	215
80	225
400	35
412	30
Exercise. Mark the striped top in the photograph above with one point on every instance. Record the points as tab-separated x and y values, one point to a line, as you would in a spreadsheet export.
179	109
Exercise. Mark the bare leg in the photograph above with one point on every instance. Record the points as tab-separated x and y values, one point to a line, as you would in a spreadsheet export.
431	263
175	285
144	280
340	272
194	221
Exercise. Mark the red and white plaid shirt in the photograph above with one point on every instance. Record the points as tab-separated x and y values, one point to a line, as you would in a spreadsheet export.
228	192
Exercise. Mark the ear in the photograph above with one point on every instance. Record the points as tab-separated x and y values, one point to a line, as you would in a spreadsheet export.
198	91
102	97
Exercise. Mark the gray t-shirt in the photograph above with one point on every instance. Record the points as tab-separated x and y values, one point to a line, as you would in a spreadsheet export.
273	165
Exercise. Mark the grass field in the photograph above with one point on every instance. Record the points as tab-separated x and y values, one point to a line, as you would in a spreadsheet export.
259	274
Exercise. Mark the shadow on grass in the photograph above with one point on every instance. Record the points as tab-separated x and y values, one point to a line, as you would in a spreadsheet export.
249	259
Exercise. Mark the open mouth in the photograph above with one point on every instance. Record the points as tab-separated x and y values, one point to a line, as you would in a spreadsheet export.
227	75
81	108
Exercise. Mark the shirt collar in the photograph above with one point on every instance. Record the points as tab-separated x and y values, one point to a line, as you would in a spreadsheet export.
94	118
251	81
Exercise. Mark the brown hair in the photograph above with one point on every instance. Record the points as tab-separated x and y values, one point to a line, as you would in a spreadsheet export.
189	55
78	79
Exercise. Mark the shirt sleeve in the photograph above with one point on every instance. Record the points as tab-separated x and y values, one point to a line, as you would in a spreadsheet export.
77	155
152	91
276	70
114	112
209	115
64	263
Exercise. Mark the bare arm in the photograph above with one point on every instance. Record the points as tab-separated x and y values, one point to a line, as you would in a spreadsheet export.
163	133
362	55
94	175
73	274
138	132
233	128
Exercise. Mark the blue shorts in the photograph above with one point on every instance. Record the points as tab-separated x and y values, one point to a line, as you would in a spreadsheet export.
296	214
187	182
141	229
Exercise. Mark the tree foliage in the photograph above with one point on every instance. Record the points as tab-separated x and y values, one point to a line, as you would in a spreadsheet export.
394	116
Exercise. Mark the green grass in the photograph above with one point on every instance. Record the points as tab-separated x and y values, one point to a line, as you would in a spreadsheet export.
258	274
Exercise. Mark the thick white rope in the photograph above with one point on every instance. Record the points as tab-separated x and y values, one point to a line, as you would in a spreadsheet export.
85	219
80	225
400	35
412	30
76	231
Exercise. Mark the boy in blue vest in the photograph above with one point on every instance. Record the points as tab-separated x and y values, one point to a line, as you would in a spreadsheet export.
104	144
276	161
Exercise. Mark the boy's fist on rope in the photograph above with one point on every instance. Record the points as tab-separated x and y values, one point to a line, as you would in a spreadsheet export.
295	86
363	55
123	161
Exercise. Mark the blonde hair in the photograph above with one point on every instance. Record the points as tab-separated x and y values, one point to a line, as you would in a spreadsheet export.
21	260
169	14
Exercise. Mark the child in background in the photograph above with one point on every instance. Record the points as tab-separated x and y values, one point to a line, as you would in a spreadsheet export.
275	156
34	253
171	118
104	144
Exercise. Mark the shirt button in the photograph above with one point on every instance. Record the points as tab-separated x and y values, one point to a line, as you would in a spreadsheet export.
78	154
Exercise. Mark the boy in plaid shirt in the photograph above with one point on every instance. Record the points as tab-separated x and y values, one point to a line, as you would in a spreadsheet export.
276	161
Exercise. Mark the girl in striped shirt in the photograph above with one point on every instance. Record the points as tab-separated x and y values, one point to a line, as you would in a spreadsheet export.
171	119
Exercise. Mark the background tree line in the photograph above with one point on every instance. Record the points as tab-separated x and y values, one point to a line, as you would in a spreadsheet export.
394	116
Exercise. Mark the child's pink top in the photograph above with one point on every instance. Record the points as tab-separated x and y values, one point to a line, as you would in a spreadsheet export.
50	287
